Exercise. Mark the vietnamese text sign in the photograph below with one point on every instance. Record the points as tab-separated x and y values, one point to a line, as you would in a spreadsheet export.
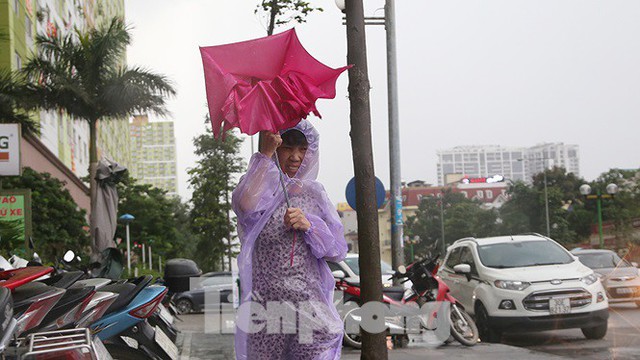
15	205
10	137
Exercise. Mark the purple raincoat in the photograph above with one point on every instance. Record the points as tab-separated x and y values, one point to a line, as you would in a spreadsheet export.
266	277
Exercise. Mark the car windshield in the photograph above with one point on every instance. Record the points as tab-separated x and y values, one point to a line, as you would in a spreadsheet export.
602	260
352	262
216	280
522	254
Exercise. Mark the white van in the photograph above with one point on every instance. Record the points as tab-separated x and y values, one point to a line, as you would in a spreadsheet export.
524	283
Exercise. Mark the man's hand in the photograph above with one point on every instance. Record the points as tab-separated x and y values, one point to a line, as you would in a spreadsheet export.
294	218
270	143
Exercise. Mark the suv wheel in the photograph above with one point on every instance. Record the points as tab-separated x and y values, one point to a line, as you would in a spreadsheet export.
486	332
595	333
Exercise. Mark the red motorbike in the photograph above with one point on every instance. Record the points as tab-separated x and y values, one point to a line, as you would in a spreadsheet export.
431	288
425	287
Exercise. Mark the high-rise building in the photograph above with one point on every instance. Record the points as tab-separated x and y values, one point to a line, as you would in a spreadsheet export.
65	137
514	163
153	153
480	161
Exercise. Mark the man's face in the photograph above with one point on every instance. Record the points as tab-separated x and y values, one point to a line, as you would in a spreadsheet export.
290	157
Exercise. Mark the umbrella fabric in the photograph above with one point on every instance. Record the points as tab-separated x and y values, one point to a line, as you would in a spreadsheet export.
269	83
108	174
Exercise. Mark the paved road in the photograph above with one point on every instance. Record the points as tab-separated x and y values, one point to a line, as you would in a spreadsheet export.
621	342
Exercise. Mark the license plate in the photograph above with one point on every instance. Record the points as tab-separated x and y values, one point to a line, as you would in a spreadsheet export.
166	315
624	291
101	351
559	306
166	344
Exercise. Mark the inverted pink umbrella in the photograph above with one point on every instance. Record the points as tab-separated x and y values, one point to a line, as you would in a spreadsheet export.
270	83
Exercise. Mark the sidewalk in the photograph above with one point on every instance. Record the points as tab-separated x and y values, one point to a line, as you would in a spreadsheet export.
194	344
199	346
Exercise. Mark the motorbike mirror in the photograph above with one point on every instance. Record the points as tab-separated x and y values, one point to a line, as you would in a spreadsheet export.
69	256
339	274
402	269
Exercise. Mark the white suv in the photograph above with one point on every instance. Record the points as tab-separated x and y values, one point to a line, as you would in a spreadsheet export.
524	283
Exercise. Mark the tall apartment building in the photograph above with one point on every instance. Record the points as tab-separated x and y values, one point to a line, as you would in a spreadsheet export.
153	153
65	137
514	163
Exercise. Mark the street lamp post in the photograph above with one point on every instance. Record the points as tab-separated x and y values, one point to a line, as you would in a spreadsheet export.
126	219
546	192
546	199
444	245
611	190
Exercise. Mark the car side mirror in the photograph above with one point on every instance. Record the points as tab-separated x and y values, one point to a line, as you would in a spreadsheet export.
338	274
463	269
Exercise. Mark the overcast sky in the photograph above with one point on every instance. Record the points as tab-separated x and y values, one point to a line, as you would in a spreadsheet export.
503	72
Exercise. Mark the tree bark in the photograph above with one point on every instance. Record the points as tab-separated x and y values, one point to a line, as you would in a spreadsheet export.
373	345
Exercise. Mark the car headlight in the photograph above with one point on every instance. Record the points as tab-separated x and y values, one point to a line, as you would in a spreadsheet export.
512	285
589	279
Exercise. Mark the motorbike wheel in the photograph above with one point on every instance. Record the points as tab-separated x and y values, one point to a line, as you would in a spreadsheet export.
121	352
352	340
463	328
184	306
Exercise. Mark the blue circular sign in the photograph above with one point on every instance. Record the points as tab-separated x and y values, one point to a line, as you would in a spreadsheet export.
350	193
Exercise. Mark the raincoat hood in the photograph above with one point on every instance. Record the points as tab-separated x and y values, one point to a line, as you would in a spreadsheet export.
311	163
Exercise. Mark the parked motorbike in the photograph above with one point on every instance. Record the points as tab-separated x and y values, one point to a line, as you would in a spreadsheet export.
427	286
392	296
53	313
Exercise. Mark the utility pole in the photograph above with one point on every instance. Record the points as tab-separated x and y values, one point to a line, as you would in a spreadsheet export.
397	253
373	345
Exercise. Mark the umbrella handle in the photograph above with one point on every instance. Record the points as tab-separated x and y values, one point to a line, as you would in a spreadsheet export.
286	198
284	188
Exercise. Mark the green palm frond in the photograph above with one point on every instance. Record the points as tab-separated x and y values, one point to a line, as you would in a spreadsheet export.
12	105
83	74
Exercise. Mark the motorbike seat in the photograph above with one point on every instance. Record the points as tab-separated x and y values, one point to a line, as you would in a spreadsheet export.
26	294
394	292
63	280
127	291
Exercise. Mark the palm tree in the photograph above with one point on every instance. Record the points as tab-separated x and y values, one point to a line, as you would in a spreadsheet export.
11	111
84	74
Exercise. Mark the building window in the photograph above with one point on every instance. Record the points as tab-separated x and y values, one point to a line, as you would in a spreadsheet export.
466	196
479	194
18	61
489	194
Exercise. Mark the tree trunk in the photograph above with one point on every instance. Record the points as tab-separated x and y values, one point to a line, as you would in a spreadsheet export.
272	17
93	166
373	345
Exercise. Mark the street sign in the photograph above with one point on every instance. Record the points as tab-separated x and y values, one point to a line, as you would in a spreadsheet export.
15	207
10	161
350	193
